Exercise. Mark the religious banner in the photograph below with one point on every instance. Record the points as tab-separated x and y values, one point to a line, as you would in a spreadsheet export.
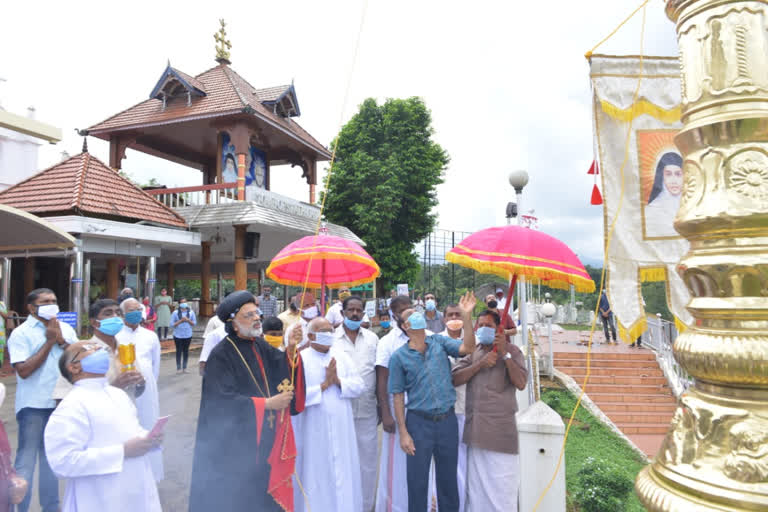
642	180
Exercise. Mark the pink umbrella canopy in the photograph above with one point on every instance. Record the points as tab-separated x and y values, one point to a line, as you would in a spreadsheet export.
330	261
509	251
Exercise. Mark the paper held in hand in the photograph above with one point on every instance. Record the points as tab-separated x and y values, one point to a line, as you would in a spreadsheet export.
159	426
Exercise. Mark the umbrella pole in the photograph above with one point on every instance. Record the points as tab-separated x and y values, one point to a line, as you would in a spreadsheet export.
510	295
322	288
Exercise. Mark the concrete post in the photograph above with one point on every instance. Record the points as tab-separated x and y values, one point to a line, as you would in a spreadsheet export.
86	286
5	287
76	287
149	288
541	433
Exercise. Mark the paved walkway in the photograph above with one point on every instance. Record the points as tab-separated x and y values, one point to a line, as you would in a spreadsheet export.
626	383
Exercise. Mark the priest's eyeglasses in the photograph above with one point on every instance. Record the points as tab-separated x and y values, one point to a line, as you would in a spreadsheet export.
251	315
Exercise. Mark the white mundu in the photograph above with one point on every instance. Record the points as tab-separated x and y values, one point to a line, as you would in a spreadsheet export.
327	463
84	444
148	363
363	354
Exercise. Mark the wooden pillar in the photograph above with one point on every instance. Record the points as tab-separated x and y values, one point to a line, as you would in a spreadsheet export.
29	276
312	179
113	278
206	308
171	279
312	193
241	176
241	266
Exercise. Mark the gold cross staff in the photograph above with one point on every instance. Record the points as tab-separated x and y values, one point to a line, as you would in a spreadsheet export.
283	387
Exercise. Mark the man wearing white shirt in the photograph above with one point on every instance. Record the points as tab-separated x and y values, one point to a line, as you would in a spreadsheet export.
148	363
309	308
501	301
95	441
453	329
392	490
35	348
327	462
360	344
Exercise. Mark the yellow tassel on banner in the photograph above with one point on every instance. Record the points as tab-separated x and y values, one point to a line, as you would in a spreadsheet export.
630	335
640	107
680	326
650	275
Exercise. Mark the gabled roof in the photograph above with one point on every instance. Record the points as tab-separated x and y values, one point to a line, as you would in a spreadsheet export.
84	185
192	85
227	93
284	96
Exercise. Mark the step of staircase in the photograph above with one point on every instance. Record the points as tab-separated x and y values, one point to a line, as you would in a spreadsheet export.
565	362
629	387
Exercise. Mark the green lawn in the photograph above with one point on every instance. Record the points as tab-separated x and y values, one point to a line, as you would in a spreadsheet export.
590	438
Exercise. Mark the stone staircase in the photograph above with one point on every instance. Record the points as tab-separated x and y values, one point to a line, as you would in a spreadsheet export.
630	388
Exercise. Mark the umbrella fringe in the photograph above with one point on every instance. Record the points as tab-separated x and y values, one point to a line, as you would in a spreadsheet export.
549	277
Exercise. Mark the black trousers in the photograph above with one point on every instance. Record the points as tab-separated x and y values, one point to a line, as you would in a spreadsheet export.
182	351
162	333
608	324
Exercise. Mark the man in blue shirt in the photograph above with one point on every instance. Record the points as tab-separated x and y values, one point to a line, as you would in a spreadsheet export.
606	315
422	369
35	348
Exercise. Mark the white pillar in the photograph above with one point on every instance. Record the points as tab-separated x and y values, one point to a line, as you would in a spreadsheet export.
5	284
149	289
76	287
541	432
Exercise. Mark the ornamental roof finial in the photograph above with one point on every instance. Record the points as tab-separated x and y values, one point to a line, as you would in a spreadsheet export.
222	50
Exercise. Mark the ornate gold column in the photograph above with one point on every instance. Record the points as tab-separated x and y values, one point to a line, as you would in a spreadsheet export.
715	455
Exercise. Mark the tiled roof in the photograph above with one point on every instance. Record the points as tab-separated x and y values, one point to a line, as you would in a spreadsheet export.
194	82
86	185
226	93
270	93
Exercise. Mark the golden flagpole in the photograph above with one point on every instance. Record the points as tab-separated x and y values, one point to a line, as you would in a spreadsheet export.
715	455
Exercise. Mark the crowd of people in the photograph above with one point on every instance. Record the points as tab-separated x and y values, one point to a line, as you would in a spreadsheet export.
290	410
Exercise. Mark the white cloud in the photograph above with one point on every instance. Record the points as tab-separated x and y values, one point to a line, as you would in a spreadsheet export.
507	82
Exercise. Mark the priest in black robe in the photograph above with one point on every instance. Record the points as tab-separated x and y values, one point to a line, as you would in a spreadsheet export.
245	451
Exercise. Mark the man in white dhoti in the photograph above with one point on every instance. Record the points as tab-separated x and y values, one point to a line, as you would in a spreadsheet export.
148	363
454	329
360	345
327	462
94	440
493	373
392	490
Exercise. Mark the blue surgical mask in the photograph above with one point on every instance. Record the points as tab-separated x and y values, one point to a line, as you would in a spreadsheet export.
97	363
417	321
133	317
431	305
324	338
352	325
485	335
385	324
111	326
183	305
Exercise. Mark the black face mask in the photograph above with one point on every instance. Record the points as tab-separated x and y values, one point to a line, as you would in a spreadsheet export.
492	304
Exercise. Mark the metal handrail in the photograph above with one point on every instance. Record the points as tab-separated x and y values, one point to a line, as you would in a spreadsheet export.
660	337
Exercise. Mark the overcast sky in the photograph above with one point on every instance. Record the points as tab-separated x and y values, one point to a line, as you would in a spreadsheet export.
507	83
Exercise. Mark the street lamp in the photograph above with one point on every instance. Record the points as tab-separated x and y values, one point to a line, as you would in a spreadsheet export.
519	179
548	310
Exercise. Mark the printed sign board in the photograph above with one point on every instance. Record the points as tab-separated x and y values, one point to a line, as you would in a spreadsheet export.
68	317
402	289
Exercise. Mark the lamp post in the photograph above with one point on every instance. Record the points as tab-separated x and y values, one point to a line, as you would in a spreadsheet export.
548	310
518	180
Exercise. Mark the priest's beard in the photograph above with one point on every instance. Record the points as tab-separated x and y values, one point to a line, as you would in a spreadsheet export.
246	331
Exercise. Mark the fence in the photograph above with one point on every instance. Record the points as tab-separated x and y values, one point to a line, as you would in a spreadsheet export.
439	276
180	197
660	337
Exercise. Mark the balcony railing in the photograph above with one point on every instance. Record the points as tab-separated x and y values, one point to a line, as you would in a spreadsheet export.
179	197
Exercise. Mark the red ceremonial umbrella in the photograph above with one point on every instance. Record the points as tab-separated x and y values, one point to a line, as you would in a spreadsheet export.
511	251
322	260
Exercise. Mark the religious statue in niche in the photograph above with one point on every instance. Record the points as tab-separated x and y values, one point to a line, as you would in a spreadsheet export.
257	168
661	182
228	160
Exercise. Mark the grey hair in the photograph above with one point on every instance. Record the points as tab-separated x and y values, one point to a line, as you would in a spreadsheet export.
126	302
312	327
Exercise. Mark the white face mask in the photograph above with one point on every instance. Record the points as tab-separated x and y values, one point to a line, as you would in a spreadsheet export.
310	313
48	311
324	338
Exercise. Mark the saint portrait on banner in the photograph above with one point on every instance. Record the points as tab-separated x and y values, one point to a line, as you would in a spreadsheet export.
661	182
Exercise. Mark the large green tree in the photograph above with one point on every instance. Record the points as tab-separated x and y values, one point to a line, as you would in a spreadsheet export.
384	183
